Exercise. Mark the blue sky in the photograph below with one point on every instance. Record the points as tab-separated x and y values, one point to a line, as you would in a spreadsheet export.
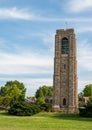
27	30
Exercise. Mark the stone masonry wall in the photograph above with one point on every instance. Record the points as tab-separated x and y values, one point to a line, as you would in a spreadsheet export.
65	73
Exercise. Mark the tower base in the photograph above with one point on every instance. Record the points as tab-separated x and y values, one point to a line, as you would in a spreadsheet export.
56	108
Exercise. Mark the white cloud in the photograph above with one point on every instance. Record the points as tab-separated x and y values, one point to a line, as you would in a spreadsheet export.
79	5
58	19
34	84
15	13
47	37
85	55
25	63
82	84
25	14
84	28
21	66
84	64
31	84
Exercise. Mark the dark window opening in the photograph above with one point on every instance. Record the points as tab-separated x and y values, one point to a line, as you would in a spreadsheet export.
64	101
64	66
65	46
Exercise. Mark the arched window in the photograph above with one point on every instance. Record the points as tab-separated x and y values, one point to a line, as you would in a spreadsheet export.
64	66
64	101
65	46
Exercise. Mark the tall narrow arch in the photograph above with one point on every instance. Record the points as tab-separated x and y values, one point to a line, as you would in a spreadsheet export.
64	46
64	101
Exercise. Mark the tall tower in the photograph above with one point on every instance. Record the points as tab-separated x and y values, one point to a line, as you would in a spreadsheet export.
65	71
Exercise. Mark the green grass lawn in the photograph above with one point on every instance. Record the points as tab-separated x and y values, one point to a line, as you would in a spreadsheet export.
45	121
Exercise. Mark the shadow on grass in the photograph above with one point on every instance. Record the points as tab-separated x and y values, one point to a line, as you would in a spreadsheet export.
70	117
4	113
56	116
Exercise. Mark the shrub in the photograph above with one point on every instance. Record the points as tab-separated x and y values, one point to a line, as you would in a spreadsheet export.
85	112
46	107
89	111
23	109
82	111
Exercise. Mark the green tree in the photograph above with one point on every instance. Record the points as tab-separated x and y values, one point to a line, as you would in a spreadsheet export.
44	91
80	99
6	101
87	90
40	96
89	103
80	96
1	100
87	111
2	91
13	89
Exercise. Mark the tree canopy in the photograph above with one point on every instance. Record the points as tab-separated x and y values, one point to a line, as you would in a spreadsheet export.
13	89
42	92
87	90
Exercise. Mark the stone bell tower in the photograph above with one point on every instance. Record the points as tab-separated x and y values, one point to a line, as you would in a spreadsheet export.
65	72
